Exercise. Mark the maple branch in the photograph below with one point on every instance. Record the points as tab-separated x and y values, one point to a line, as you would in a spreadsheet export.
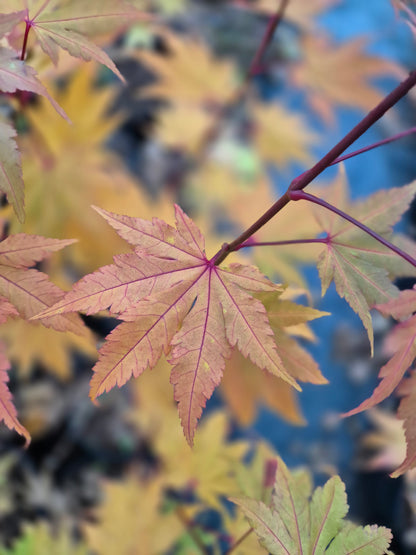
307	177
301	195
368	121
280	243
400	135
239	541
214	130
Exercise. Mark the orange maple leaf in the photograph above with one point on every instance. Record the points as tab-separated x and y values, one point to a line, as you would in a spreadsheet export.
172	298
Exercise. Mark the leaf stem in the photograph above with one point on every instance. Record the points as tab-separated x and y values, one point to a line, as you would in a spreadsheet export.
301	195
307	177
279	243
374	145
25	37
239	541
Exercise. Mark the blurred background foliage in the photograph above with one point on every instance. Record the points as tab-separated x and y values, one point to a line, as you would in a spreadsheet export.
120	478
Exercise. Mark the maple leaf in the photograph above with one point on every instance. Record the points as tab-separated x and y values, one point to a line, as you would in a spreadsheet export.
183	126
360	267
25	345
30	290
406	412
350	87
8	413
61	24
402	342
71	166
298	521
203	81
17	75
281	136
388	441
243	384
11	181
210	467
9	20
183	304
132	520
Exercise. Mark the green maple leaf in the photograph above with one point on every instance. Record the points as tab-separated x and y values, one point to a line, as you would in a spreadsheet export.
299	522
361	267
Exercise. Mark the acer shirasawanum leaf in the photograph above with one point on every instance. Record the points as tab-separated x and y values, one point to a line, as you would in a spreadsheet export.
304	523
173	299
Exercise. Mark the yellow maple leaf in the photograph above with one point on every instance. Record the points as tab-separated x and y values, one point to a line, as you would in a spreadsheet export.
183	126
244	385
189	74
319	75
131	521
67	169
209	467
281	136
25	342
213	186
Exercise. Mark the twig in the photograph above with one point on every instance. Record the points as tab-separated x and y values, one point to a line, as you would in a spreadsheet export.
214	130
280	243
374	145
301	195
307	177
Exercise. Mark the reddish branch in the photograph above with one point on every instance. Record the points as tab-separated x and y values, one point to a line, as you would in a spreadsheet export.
307	177
301	195
383	142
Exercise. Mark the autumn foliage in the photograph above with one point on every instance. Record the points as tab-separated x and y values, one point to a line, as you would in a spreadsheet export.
203	270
